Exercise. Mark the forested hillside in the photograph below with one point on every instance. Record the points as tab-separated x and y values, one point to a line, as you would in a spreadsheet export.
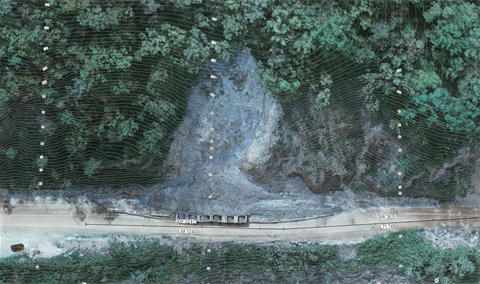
119	74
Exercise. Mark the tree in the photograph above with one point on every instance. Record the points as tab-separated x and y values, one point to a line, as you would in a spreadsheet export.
95	18
91	166
462	266
6	7
150	6
323	98
11	153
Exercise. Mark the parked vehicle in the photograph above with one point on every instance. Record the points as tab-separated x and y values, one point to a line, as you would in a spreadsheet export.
17	247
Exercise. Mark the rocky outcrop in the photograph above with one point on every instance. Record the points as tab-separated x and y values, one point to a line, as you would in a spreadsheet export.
238	123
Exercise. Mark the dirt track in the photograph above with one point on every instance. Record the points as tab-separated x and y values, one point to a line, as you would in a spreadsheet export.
47	219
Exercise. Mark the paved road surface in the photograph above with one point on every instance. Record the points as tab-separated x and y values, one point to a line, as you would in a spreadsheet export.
51	218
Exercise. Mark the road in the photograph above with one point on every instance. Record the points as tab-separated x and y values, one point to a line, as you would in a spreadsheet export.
53	218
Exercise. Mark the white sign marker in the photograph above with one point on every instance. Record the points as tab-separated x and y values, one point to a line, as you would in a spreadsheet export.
399	70
40	183
214	60
212	76
45	68
212	95
46	27
45	48
214	42
47	4
214	19
399	92
399	125
44	82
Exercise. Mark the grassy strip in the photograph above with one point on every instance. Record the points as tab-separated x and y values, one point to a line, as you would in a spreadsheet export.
147	260
420	259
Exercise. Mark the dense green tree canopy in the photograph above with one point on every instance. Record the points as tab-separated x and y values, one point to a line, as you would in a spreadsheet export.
112	94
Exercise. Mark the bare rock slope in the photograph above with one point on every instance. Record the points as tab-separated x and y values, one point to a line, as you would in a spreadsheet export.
219	140
222	138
